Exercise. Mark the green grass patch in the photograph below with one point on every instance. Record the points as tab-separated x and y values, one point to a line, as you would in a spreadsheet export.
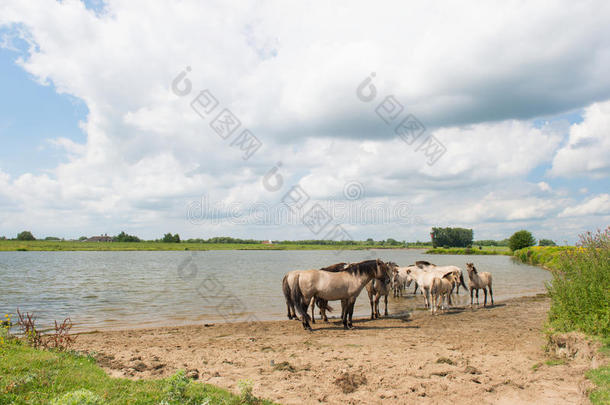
32	376
601	378
484	250
545	256
555	362
55	246
580	295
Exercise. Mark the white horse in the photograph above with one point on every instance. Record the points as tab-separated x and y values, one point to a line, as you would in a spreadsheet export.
441	270
479	281
423	273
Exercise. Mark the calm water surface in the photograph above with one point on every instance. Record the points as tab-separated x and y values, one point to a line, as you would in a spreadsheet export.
137	289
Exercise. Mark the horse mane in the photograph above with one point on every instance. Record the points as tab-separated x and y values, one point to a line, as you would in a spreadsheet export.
365	267
422	263
334	267
448	274
474	269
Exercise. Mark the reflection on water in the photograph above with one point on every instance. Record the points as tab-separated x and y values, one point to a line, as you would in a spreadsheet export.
135	289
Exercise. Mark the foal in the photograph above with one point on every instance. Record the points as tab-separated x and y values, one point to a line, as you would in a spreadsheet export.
375	289
442	287
479	281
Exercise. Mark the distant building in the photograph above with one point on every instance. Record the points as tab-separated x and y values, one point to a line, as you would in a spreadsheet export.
101	238
267	242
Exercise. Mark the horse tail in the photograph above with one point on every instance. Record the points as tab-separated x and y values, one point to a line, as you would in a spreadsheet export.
286	290
299	301
433	286
323	304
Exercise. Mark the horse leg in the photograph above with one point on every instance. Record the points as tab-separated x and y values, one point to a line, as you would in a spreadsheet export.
415	289
485	302
491	294
344	313
372	302
323	313
478	297
377	298
471	291
288	308
386	305
352	303
313	307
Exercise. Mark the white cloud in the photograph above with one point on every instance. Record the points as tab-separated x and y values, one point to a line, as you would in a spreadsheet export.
290	72
598	205
587	152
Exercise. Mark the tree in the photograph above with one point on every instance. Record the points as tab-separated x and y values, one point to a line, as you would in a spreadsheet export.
521	239
83	238
451	237
546	242
26	235
169	238
123	237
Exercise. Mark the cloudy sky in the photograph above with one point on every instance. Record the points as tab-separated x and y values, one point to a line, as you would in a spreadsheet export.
393	117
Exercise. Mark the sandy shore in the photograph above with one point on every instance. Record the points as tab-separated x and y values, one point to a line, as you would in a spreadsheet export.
492	355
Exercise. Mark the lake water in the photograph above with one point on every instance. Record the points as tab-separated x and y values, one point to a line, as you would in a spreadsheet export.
137	289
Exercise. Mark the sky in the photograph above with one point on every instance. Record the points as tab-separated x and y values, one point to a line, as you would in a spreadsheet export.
304	120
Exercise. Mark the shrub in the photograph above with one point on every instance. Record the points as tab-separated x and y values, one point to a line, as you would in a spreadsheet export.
456	237
580	288
78	397
176	386
521	239
25	235
169	238
245	392
546	242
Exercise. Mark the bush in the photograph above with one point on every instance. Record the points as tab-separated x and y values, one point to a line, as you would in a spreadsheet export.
454	237
78	397
521	239
580	288
25	235
169	238
123	237
176	386
546	242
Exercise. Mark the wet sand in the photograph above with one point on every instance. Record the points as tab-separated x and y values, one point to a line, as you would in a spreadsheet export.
484	355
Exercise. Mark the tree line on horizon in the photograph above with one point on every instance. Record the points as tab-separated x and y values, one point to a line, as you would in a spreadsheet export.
448	237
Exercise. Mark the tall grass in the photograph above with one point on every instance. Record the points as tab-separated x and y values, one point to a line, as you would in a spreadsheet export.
580	288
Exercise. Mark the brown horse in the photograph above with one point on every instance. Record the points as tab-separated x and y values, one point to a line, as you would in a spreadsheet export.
343	285
479	281
288	281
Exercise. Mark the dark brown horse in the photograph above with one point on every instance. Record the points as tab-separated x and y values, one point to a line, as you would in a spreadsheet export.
332	286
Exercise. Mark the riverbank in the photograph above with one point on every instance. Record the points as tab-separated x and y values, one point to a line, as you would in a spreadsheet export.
59	246
486	250
494	354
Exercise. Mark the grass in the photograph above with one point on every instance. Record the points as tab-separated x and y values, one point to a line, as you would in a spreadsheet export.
32	376
545	256
484	250
49	246
580	295
601	378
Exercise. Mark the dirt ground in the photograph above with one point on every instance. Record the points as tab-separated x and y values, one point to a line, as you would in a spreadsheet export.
484	355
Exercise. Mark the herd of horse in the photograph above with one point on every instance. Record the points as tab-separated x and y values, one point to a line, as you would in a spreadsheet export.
344	282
